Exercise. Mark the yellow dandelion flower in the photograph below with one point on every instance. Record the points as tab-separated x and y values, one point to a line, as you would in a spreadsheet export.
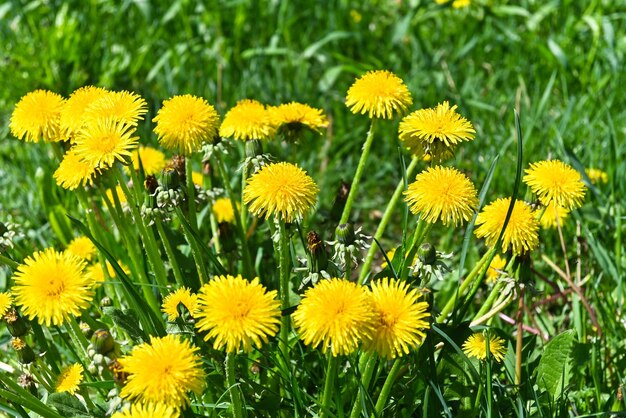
36	117
69	379
435	131
72	113
400	318
521	231
152	160
335	313
163	371
549	217
105	141
117	191
476	346
149	410
74	172
597	176
292	118
197	179
458	4
237	313
380	94
246	121
120	106
6	300
495	268
442	193
181	296
185	122
553	180
223	210
95	275
281	188
82	247
50	286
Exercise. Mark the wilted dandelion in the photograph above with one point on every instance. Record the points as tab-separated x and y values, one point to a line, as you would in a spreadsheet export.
442	193
37	117
173	300
495	268
72	113
82	247
149	410
521	232
476	346
185	122
124	107
152	160
74	172
248	120
435	132
555	181
380	94
105	141
70	379
283	189
237	313
164	371
51	287
335	313
400	318
223	210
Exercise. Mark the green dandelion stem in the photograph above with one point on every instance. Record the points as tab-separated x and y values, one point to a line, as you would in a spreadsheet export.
284	267
495	293
366	377
170	253
245	170
6	261
331	375
233	388
191	194
382	226
196	250
422	229
386	390
486	258
345	216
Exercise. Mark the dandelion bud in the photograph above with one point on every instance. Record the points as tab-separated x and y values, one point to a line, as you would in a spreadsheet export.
85	329
102	341
16	325
345	234
171	178
427	254
106	301
25	354
26	381
319	257
254	148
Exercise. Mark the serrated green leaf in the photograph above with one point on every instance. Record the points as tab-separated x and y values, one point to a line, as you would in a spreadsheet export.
128	321
553	371
67	405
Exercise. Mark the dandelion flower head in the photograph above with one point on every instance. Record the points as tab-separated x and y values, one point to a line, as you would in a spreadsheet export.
400	318
185	122
152	160
6	300
74	108
70	379
521	232
496	266
555	181
380	94
552	213
105	141
435	131
291	118
181	296
442	193
237	313
82	247
37	117
164	371
124	107
248	120
74	172
283	189
149	410
223	210
51	287
336	314
476	346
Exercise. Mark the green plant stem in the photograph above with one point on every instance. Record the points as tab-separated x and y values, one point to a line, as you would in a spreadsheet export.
6	261
464	285
245	252
366	377
170	253
422	229
382	226
331	374
284	268
191	194
345	216
77	335
232	386
386	390
245	171
196	251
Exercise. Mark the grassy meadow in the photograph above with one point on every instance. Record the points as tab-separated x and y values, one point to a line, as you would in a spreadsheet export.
542	334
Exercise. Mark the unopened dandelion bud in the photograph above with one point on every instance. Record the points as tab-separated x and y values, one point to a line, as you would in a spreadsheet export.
27	381
254	148
427	254
25	354
171	178
102	341
345	234
105	302
319	256
85	329
16	325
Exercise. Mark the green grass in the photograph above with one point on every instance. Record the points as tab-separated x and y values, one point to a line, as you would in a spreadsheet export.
560	64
